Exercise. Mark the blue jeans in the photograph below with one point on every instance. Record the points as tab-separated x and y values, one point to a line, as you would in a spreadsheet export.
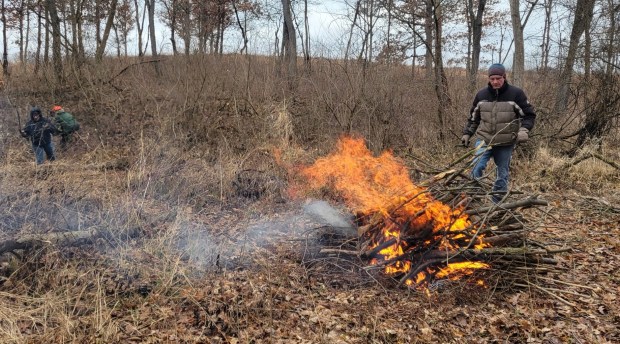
42	150
501	156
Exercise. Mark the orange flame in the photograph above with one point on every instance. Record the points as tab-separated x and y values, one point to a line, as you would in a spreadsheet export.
380	186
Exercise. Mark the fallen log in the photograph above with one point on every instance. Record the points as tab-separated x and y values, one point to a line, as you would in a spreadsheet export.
70	238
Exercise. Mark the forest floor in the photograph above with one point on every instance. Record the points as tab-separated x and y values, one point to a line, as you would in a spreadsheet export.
245	271
175	256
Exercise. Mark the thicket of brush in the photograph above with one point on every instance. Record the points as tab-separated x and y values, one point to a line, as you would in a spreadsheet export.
155	151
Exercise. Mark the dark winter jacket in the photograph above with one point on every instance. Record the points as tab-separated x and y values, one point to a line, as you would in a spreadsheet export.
497	115
41	131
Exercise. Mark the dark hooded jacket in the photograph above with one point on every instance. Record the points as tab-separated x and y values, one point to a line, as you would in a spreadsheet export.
497	115
41	131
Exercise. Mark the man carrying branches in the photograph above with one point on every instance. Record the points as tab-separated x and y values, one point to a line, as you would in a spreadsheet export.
40	131
501	117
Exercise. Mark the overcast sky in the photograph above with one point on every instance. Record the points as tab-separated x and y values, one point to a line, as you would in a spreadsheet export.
329	28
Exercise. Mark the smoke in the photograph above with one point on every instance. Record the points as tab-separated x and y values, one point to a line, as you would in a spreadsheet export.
323	213
295	229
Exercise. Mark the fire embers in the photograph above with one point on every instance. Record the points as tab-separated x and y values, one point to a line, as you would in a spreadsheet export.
421	242
402	228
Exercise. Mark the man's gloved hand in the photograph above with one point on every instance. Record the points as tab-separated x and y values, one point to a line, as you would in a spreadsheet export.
22	132
465	140
523	135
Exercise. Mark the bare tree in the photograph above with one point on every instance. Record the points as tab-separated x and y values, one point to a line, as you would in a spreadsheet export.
56	42
76	9
583	14
428	38
289	41
140	25
170	17
546	36
124	22
186	25
518	62
5	58
150	6
37	56
353	24
475	20
611	47
106	32
441	81
307	31
242	27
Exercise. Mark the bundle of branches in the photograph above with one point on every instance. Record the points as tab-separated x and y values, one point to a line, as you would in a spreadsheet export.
420	250
444	228
420	243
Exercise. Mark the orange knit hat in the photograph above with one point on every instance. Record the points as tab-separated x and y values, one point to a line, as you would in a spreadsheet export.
56	108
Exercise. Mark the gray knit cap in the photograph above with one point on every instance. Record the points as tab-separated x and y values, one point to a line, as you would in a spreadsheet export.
497	69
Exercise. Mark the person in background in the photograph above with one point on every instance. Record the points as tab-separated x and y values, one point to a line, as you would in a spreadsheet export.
40	131
66	124
500	117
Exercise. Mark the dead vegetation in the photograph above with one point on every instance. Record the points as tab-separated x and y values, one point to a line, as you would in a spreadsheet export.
183	184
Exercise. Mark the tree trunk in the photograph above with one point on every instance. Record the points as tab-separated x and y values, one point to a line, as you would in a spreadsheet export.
37	56
355	15
20	13
583	14
98	23
77	42
587	51
151	8
307	30
173	25
290	43
106	31
428	33
476	33
242	28
56	43
117	39
139	26
518	62
441	81
46	56
185	21
611	44
546	42
5	55
27	14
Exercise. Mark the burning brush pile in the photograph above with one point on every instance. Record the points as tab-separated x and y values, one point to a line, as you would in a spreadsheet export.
423	235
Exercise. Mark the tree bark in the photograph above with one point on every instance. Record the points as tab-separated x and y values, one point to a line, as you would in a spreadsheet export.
307	38
546	42
583	15
428	35
37	56
441	81
242	28
20	14
476	33
355	15
290	43
518	62
139	25
5	55
56	43
106	31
